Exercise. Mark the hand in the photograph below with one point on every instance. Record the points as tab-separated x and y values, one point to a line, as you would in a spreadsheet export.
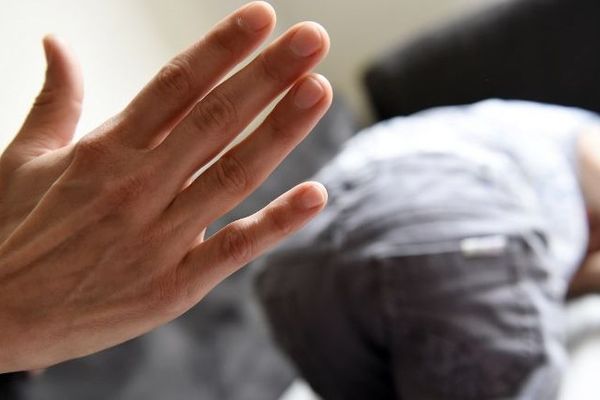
102	240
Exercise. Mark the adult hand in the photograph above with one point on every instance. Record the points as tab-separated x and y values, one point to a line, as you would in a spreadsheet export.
102	240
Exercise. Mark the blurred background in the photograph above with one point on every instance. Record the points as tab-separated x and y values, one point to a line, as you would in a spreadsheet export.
122	43
219	350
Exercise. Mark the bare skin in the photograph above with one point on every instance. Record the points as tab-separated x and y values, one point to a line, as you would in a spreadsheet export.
102	240
587	278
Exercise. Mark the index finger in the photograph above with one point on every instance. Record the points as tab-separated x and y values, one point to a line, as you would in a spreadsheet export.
193	73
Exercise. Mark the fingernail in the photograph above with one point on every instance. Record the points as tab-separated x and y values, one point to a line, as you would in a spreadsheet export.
313	197
308	93
307	40
256	16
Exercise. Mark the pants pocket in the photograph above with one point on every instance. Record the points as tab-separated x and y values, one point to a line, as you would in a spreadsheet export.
462	326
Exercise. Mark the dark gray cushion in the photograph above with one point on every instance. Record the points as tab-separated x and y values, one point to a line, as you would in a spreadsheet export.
539	50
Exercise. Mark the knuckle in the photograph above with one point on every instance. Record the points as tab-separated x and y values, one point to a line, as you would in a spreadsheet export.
44	98
231	175
280	131
220	42
268	69
167	296
278	220
216	111
237	245
90	150
64	100
176	78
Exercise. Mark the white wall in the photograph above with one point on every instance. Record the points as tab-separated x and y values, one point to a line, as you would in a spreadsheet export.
116	41
359	29
121	43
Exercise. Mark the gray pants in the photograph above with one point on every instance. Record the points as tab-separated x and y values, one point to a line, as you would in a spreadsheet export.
440	324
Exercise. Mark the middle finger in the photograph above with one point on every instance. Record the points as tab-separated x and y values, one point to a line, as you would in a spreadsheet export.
231	106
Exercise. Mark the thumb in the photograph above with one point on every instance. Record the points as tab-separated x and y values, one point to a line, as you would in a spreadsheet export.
53	118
